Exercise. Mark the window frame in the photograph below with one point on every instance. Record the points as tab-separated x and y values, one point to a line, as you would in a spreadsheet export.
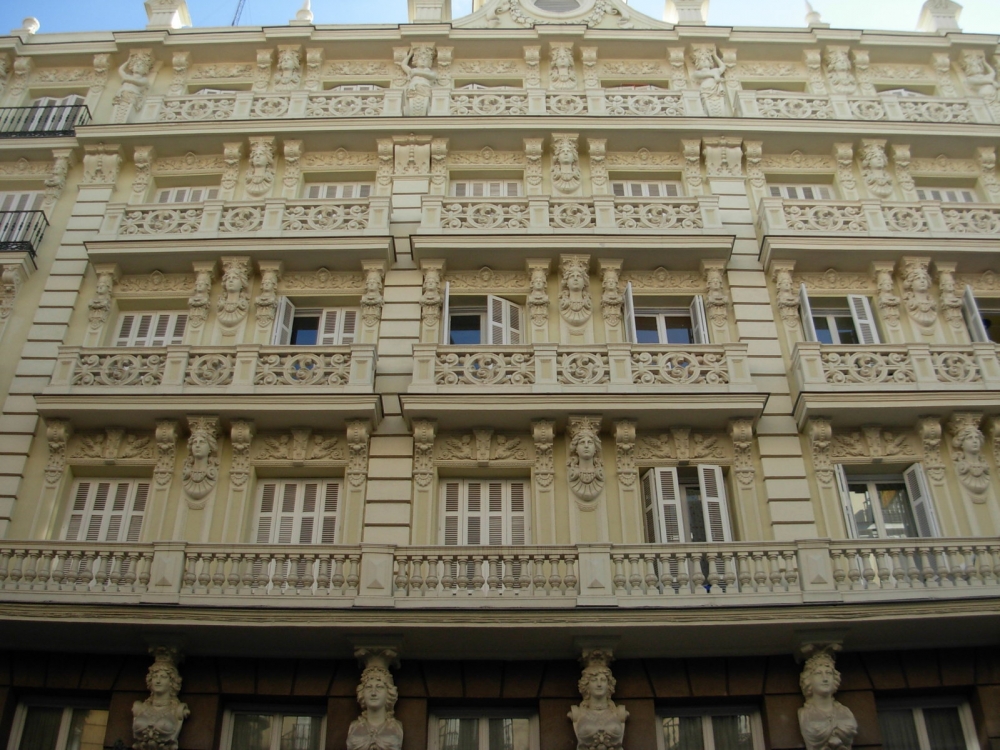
175	319
859	308
68	705
706	713
483	715
921	502
31	199
918	704
700	330
128	512
655	486
172	192
286	312
942	197
974	319
664	186
498	318
53	113
462	513
504	184
339	188
297	515
786	191
228	722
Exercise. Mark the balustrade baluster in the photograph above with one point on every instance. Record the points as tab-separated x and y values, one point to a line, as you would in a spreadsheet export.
854	565
401	579
189	572
760	571
85	574
233	579
524	575
911	556
308	578
279	578
70	567
619	573
651	579
115	560
448	581
492	574
143	563
743	566
248	578
898	569
219	573
729	569
416	574
507	579
984	563
775	570
570	578
714	579
971	567
994	553
353	574
945	577
666	579
791	569
30	569
839	571
683	573
555	577
102	572
698	574
957	567
635	577
15	569
433	579
323	574
868	571
45	569
882	568
4	567
337	579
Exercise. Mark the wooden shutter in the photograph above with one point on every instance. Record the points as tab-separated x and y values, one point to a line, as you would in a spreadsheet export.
485	512
630	333
666	507
281	335
349	326
265	516
973	319
125	326
699	321
518	513
649	511
506	320
327	515
845	501
298	512
474	512
165	329
713	503
453	498
286	513
805	310
864	321
495	513
921	502
445	319
107	511
337	326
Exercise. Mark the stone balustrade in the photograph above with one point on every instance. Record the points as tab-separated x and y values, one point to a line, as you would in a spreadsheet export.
598	214
596	368
897	367
265	218
626	576
235	370
883	107
874	218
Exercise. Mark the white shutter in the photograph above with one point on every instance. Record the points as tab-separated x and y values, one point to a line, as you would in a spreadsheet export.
864	321
485	512
699	321
921	501
518	513
125	326
133	523
845	501
714	505
445	319
805	310
475	502
630	333
453	500
108	511
151	329
670	528
974	321
515	323
284	532
649	512
281	335
329	327
161	330
327	515
495	515
265	515
505	321
176	337
77	511
349	326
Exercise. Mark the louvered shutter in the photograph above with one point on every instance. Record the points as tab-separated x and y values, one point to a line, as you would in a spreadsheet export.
125	326
349	326
445	316
137	511
714	505
649	511
281	335
162	328
805	310
921	502
699	321
973	318
850	522
630	333
495	514
328	513
265	516
519	528
670	526
453	498
505	320
286	513
77	512
107	511
177	330
306	520
864	321
329	325
474	512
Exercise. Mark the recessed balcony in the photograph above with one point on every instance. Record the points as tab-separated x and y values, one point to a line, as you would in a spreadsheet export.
43	122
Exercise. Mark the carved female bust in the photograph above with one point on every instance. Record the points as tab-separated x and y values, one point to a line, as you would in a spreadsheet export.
825	723
586	469
376	728
157	721
201	467
973	471
598	723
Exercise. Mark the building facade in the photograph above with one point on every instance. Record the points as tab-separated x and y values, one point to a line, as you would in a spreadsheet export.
549	377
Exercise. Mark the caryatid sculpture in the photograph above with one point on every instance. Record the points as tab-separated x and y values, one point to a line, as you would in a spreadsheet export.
598	723
157	721
825	723
377	728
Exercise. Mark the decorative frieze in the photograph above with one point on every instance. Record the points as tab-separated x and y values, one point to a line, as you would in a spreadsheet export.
871	441
486	157
481	448
299	445
200	471
321	280
111	446
836	281
662	280
241	438
681	445
358	432
543	437
625	452
167	433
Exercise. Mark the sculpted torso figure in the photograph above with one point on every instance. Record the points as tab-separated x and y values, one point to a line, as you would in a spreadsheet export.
377	727
157	721
599	724
825	723
420	77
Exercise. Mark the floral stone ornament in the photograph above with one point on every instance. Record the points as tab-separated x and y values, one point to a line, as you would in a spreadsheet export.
157	721
825	723
598	723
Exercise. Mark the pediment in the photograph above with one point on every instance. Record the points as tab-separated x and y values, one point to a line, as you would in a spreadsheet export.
521	14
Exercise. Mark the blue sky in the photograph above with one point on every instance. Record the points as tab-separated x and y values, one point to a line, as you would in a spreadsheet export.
73	15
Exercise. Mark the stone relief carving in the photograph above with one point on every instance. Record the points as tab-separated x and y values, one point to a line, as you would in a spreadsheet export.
431	297
313	80
679	445
611	297
625	452
708	73
439	165
967	442
11	279
980	78
55	181
532	62
293	165
753	152
741	433
585	467
321	279
588	56
871	442
843	153
929	430
232	153
200	299
358	432
833	281
987	162
901	159
885	297
18	82
260	172
543	436
874	168
716	299
533	166
234	303
597	148
57	433
157	721
562	69
575	304
839	71
519	15
488	279
166	451
418	65
949	299
993	425
538	294
916	282
796	161
241	437
266	303
200	471
660	279
135	74
566	175
423	451
376	728
101	164
483	446
820	436
187	164
597	722
111	445
372	300
99	307
288	71
180	62
142	159
787	294
723	157
486	156
299	444
262	71
825	723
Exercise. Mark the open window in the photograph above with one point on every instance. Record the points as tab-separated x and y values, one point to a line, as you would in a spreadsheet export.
887	506
331	326
476	321
107	510
484	511
498	188
52	114
151	328
685	505
298	511
684	324
838	320
982	320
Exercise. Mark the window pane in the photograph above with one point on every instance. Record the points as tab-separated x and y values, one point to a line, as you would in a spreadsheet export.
845	329
944	729
864	514
678	329
252	731
696	516
300	732
458	734
646	331
41	728
898	730
683	733
823	333
466	330
305	330
991	322
86	731
896	512
732	732
508	734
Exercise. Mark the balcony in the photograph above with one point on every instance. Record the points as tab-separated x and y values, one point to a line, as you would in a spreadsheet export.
42	122
543	214
795	106
22	231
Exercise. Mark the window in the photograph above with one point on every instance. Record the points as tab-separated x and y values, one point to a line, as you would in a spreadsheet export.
482	730
187	194
107	510
22	201
484	87
499	321
262	730
710	729
486	188
802	192
681	325
298	511
357	87
983	321
215	92
345	190
484	511
905	93
13	217
558	6
46	726
332	326
645	189
926	725
151	329
53	114
953	195
682	506
838	321
887	507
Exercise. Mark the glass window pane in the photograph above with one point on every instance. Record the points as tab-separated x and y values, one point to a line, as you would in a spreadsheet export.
458	734
86	730
252	731
305	330
898	730
683	733
41	729
944	728
696	515
991	322
300	732
646	331
864	514
466	330
732	732
845	330
823	333
897	516
678	329
508	734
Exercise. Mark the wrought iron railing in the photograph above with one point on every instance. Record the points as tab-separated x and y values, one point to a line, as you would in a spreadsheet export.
42	122
22	231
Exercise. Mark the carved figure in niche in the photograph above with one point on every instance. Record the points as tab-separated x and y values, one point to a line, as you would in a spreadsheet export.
157	721
134	73
874	165
886	299
951	303
575	304
921	306
598	723
538	297
100	306
198	302
260	173
611	298
709	72
839	73
586	467
372	300
788	298
200	472
562	71
825	723
420	77
431	298
267	300
376	728
566	175
973	471
980	76
235	300
288	72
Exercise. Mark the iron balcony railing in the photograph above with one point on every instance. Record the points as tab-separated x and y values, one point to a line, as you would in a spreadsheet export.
42	122
22	230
